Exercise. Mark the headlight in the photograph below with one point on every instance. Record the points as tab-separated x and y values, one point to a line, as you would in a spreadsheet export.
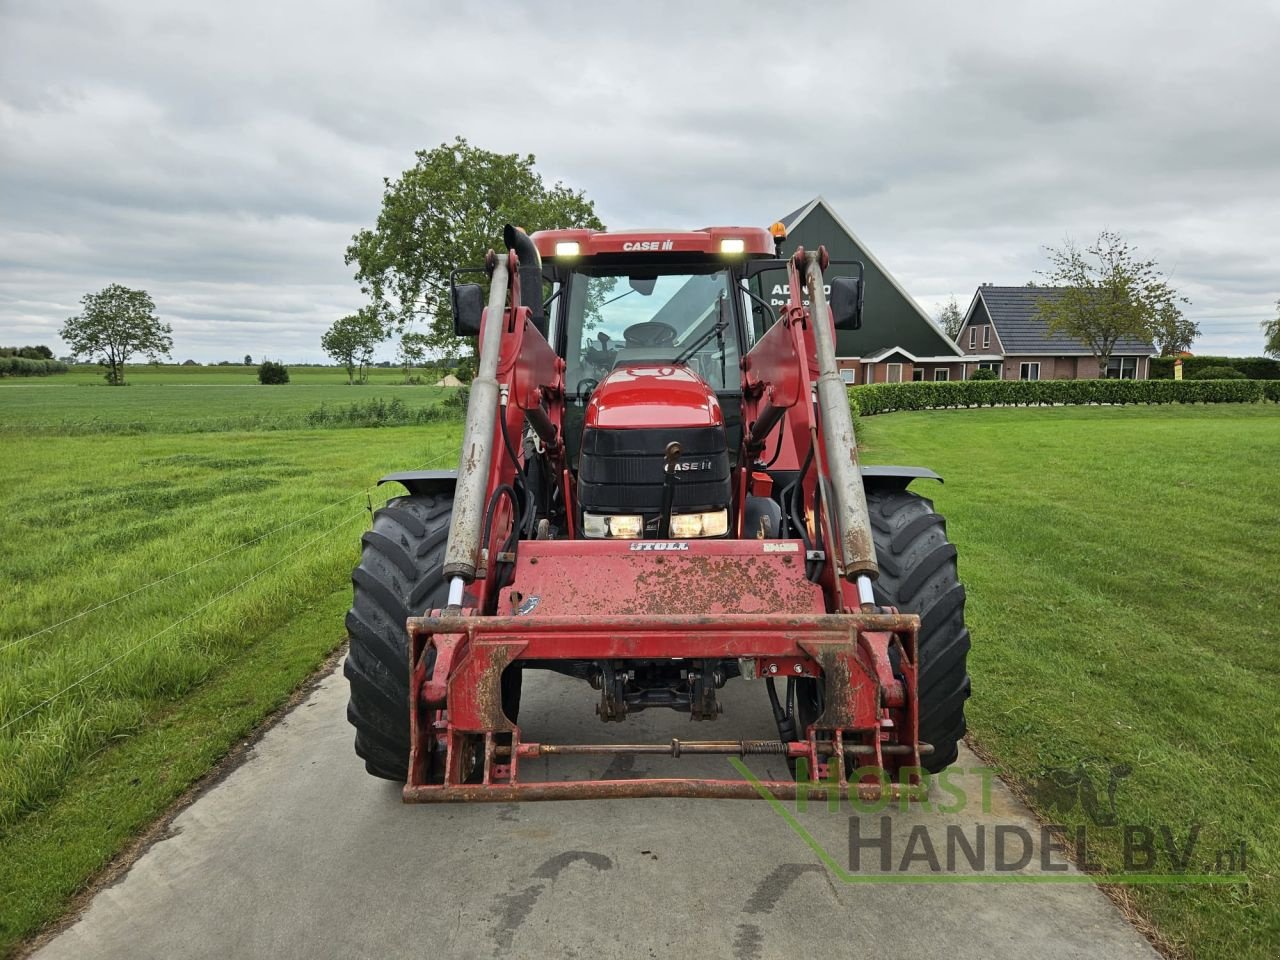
621	526
687	526
733	245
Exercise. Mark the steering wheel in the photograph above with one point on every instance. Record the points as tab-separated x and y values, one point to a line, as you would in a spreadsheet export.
590	383
650	333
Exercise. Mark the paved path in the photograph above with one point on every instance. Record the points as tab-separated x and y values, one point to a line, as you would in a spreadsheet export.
299	854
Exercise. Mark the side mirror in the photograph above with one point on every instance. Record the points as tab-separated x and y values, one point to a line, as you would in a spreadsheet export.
468	305
845	302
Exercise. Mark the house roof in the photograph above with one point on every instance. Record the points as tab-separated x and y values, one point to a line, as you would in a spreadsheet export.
892	317
1014	312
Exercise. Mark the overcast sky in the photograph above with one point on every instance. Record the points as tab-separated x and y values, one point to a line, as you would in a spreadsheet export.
220	155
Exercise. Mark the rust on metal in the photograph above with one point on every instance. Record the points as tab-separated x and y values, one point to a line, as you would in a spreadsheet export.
653	788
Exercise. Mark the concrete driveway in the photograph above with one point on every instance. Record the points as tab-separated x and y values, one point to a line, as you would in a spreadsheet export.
299	854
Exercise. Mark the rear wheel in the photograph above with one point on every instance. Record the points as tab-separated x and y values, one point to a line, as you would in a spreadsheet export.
917	575
400	575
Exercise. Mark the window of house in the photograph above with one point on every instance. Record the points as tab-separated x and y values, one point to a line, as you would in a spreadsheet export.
893	373
941	373
973	338
1029	371
995	365
986	337
1122	368
849	375
917	374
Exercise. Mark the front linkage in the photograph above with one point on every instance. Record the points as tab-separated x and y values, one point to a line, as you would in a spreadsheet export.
465	748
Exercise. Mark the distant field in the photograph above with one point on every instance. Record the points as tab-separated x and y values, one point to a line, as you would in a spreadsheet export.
146	373
189	399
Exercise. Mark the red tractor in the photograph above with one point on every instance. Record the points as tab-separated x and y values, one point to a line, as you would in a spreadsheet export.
658	492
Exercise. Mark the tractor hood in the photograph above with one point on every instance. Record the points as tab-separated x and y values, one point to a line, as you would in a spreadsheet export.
653	395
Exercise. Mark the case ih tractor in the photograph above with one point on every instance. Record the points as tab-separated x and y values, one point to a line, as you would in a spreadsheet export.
658	493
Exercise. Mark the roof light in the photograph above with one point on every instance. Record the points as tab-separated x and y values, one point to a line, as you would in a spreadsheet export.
567	248
778	230
733	245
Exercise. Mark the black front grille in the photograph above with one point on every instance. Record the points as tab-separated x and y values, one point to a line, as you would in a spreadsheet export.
622	471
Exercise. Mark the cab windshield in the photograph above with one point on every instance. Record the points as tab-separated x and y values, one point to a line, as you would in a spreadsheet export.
616	318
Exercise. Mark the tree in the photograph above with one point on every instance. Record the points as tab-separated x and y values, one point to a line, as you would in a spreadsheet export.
1174	333
272	372
1108	295
351	342
951	319
445	212
1271	330
115	324
412	351
248	360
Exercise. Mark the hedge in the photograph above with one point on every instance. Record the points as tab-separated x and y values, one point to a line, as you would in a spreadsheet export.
26	367
1255	368
925	395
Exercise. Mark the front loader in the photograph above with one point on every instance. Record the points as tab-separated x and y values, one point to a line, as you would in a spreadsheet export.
658	493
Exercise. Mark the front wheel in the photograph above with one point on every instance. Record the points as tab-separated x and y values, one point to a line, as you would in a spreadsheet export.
400	575
917	575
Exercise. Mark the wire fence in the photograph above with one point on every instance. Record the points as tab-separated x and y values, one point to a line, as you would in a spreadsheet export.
366	493
347	520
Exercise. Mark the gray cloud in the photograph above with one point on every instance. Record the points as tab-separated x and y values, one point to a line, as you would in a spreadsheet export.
222	156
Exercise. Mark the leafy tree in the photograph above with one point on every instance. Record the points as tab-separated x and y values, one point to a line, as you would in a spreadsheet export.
1174	333
115	324
445	212
412	351
271	372
248	360
351	342
1271	330
951	319
1109	295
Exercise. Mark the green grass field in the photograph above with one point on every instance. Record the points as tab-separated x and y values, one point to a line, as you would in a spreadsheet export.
1122	568
171	399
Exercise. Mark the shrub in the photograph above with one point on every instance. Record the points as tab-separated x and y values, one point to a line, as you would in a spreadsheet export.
457	399
20	366
1217	373
272	372
1255	368
1271	390
982	373
380	412
922	395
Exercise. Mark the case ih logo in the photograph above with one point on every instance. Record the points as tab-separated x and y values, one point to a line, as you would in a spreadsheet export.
631	245
660	545
684	465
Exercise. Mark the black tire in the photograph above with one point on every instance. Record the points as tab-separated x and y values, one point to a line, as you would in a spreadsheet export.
918	575
399	576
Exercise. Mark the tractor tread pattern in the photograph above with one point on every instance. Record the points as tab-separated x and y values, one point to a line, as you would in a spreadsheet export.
918	575
400	575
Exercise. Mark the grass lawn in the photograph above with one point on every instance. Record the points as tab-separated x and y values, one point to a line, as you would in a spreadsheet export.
247	541
1123	569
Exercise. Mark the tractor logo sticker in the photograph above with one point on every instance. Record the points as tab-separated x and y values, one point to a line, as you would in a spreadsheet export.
785	546
660	545
527	605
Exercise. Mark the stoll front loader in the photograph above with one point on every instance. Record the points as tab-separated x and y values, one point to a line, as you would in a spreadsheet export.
658	492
